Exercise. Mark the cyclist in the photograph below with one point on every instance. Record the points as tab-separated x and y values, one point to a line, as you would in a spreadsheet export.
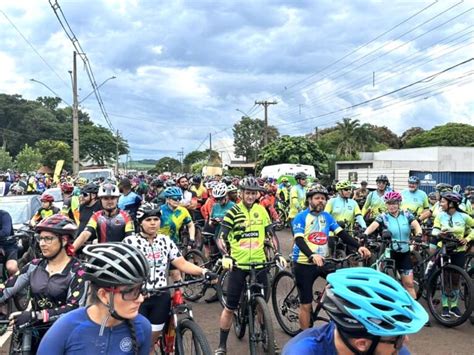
233	193
432	199
361	194
453	220
268	201
160	251
9	247
222	205
70	202
414	200
399	223
89	205
244	228
110	224
311	229
374	203
297	196
110	324
436	209
56	280
359	325
129	201
46	210
283	193
201	195
156	188
189	198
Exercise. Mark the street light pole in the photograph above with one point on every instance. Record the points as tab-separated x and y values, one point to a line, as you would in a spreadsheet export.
245	114
98	86
75	119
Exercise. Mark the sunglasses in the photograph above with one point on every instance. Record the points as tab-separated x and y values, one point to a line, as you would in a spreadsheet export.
348	189
128	294
397	342
177	199
85	194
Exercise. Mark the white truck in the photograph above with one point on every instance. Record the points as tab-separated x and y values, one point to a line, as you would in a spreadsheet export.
91	174
275	171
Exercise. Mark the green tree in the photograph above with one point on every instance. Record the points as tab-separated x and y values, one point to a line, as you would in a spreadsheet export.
6	160
29	159
52	151
201	156
294	150
450	134
98	144
383	135
249	137
355	137
409	134
167	164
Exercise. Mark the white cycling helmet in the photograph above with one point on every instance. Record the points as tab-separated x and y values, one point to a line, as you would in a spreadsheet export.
220	190
232	188
108	190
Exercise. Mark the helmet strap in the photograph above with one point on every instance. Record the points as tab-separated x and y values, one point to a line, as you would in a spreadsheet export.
371	351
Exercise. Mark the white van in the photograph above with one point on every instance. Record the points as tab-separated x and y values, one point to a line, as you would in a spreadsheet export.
275	171
91	174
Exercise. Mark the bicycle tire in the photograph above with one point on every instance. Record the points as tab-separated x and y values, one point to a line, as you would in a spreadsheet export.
266	326
196	291
466	288
240	323
221	287
199	343
286	302
471	274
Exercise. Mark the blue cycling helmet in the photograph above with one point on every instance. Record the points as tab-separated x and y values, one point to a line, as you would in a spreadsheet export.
414	180
362	301
173	191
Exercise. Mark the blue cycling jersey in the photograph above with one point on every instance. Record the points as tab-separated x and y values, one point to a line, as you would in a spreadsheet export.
219	211
399	226
315	341
76	334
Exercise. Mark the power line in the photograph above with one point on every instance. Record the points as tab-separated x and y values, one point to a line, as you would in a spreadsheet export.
34	49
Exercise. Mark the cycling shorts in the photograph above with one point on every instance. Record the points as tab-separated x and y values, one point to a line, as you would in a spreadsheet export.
458	259
403	263
305	276
236	284
156	309
10	252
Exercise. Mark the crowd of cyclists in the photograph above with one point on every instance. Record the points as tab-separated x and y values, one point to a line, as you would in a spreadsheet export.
103	256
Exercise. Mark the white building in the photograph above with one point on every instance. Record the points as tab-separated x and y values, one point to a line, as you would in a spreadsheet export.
453	165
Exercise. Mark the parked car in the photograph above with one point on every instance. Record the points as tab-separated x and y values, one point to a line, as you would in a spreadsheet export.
58	196
21	208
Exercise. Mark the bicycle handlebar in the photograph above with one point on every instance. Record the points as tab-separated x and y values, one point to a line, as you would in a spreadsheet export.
177	285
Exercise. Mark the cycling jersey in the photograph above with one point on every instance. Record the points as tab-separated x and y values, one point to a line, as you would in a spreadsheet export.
399	226
76	334
435	209
459	224
297	200
314	228
374	203
6	228
268	201
207	207
247	232
55	294
71	208
415	202
173	220
201	191
44	213
110	228
315	341
159	254
129	203
283	193
219	211
85	214
347	210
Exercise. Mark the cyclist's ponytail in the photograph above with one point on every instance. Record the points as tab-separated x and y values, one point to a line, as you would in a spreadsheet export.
133	333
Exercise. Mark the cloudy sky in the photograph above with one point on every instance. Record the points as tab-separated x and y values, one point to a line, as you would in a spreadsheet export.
183	67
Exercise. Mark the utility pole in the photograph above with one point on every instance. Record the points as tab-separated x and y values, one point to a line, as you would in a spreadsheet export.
117	138
210	146
265	105
75	119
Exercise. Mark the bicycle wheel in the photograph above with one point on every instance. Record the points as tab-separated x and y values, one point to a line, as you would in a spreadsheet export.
442	287
240	317
270	255
286	303
190	339
262	341
221	287
195	291
471	274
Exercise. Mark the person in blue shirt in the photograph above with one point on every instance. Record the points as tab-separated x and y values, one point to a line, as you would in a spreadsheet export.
311	229
111	323
9	245
399	224
359	324
415	200
129	201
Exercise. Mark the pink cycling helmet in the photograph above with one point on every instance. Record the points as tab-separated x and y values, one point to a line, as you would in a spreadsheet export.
392	196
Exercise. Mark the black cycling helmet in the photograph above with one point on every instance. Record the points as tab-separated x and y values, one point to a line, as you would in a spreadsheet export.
90	188
114	264
382	178
317	189
452	197
301	176
250	183
146	210
196	179
442	187
157	183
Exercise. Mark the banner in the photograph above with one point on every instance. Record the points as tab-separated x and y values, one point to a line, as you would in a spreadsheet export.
57	170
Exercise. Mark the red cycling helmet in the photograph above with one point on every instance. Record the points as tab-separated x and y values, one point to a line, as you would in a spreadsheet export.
392	196
47	198
67	187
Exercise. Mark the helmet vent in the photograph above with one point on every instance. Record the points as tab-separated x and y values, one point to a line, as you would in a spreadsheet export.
359	291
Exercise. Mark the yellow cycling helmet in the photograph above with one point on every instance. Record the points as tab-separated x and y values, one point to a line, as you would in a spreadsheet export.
343	185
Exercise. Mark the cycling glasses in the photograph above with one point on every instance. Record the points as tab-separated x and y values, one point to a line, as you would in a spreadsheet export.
347	189
129	293
46	240
175	198
397	342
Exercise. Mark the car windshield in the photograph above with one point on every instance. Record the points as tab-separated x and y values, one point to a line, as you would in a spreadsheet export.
91	175
17	208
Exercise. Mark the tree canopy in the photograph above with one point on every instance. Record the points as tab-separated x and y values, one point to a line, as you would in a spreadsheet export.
450	134
167	164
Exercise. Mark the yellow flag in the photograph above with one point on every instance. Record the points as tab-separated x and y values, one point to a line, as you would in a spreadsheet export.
57	170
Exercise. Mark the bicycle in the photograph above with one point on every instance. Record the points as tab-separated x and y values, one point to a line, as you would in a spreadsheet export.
436	276
182	335
286	300
22	337
253	311
282	210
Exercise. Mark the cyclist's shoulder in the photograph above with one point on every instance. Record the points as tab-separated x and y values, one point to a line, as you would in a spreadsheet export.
313	341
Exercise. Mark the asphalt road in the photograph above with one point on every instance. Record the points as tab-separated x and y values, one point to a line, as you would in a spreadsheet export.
432	340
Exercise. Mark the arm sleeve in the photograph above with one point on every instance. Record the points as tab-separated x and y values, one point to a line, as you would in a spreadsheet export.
361	221
17	282
6	225
301	244
76	295
348	240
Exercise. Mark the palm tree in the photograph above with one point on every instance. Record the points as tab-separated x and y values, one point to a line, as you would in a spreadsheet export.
355	137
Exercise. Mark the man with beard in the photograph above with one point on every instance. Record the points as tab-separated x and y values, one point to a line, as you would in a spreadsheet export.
89	205
189	197
311	229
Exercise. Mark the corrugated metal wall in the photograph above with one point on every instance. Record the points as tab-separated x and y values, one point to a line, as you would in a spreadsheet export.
453	178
